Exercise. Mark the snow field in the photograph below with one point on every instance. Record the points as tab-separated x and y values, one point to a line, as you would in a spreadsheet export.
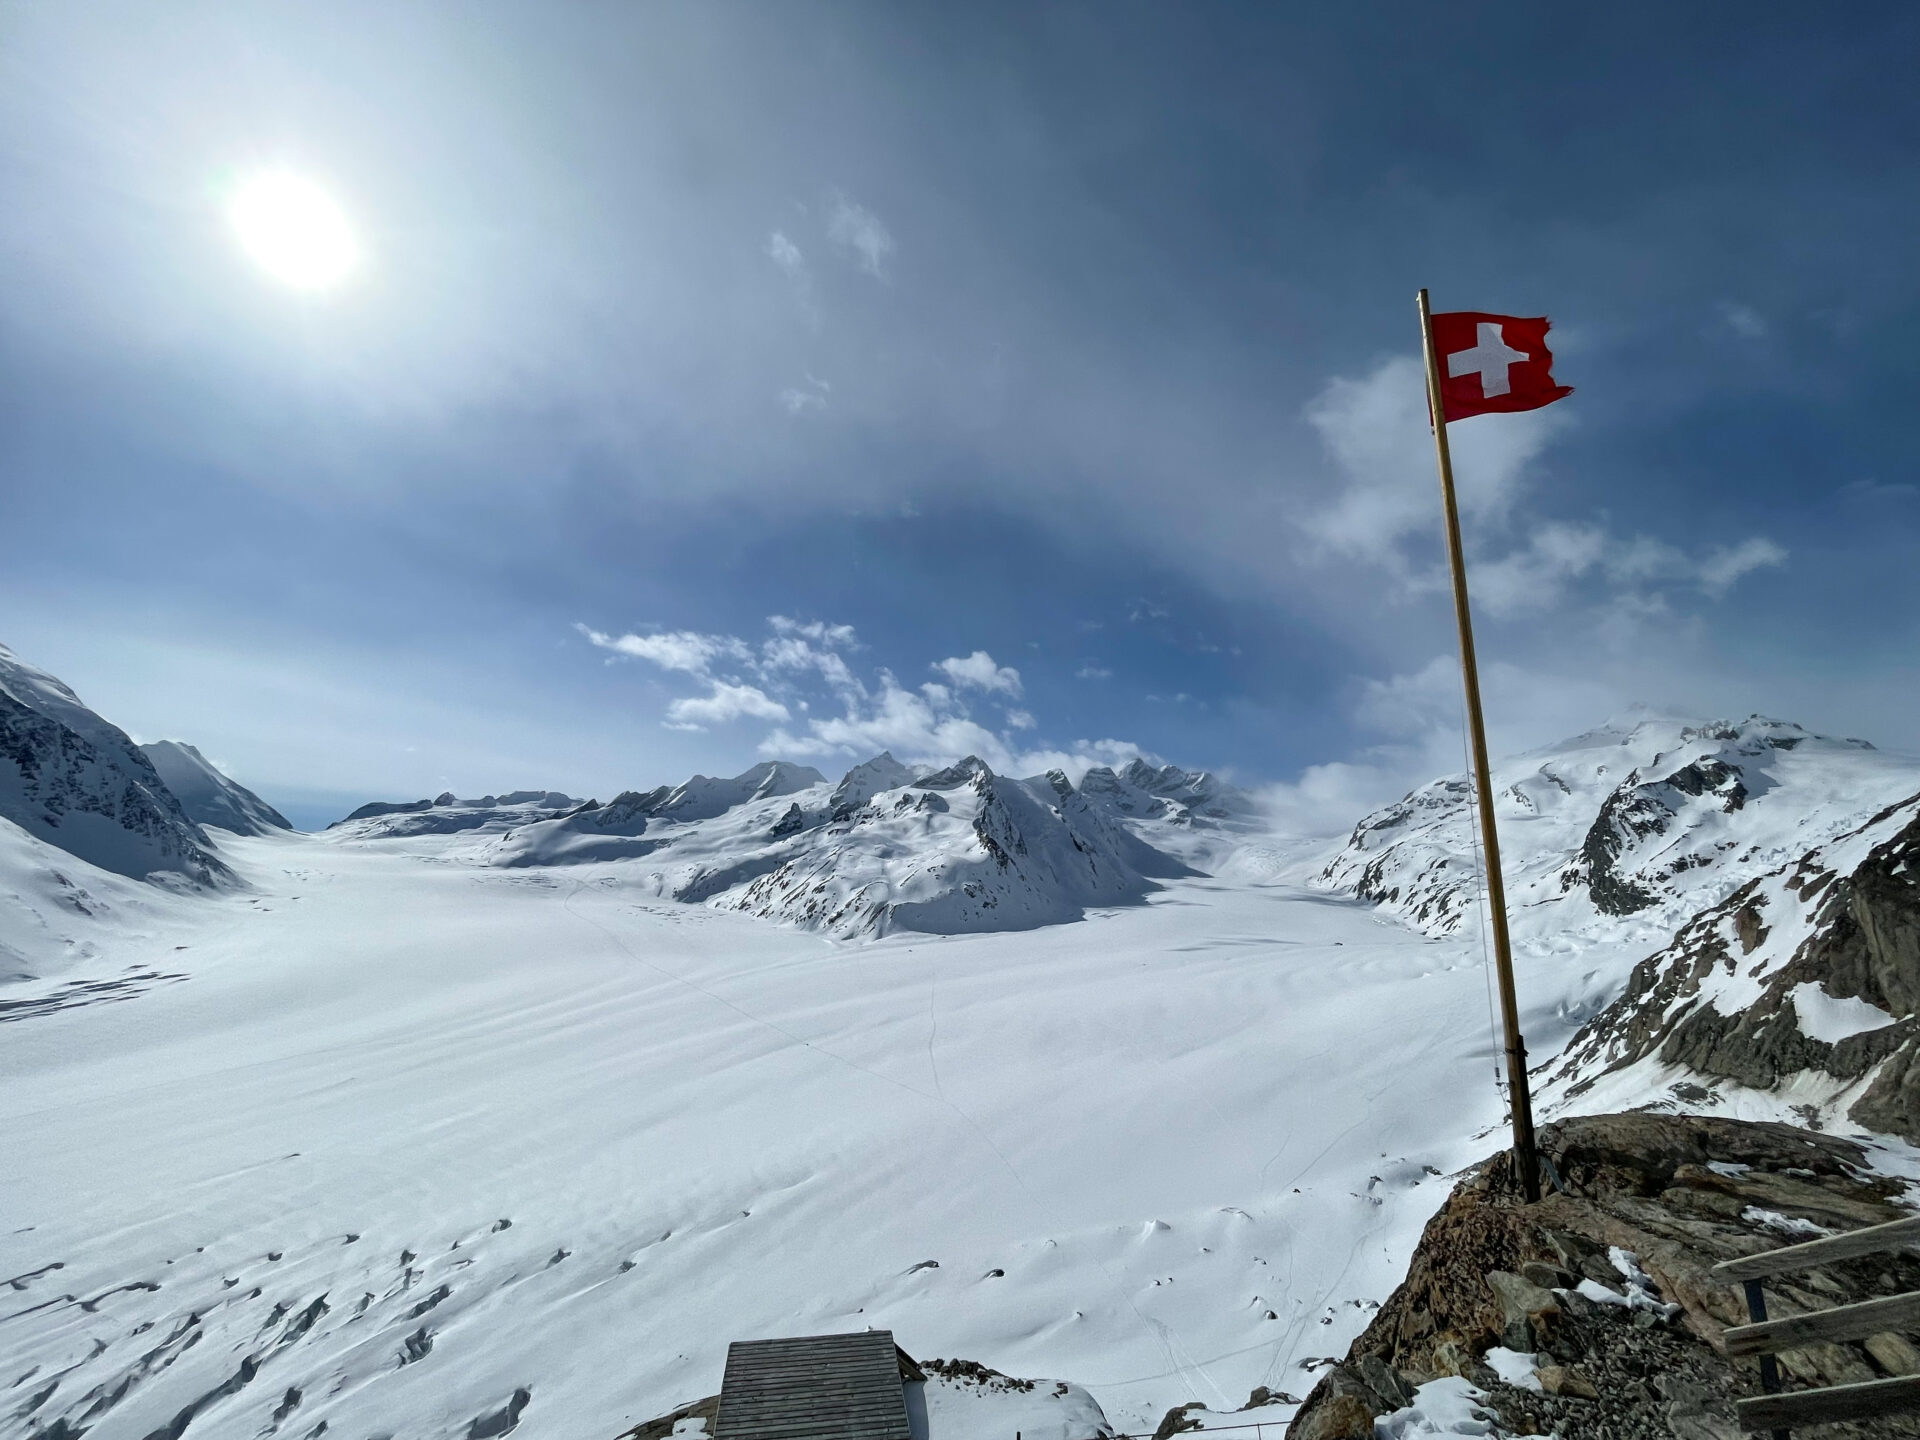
1157	1127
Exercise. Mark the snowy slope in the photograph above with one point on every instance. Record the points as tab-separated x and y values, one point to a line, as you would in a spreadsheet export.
1804	983
77	783
476	1130
1622	833
208	797
434	1126
954	850
59	914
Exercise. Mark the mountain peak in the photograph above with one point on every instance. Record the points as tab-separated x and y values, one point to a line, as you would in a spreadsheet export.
209	797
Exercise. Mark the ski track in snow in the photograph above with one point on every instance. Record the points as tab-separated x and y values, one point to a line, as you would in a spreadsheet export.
396	1144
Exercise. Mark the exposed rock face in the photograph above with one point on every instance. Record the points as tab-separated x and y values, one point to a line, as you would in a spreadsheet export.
1814	967
71	779
1643	809
209	797
1663	1198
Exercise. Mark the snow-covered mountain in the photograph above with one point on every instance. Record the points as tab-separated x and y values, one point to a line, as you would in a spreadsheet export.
892	847
208	797
446	814
75	782
1624	832
959	850
887	847
1804	982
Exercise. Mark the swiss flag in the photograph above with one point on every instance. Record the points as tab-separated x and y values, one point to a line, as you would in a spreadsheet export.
1493	363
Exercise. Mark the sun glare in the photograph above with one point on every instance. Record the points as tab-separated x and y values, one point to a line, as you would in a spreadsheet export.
294	231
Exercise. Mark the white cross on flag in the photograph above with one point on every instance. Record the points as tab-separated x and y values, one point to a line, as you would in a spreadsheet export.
1493	363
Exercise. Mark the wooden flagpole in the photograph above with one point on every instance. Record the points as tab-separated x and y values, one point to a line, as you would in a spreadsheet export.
1526	1160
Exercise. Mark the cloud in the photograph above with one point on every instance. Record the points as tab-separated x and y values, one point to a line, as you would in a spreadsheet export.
722	703
819	631
919	727
1743	320
784	253
1725	565
790	262
1091	671
1535	575
856	229
790	652
1375	430
978	672
1418	734
681	650
801	664
799	402
1873	490
926	727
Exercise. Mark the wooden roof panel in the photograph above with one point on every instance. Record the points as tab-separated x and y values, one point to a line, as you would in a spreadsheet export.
814	1387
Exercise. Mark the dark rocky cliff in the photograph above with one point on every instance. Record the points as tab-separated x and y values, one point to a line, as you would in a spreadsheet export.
1680	1193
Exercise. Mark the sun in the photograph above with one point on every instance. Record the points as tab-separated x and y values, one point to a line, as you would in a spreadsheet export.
294	230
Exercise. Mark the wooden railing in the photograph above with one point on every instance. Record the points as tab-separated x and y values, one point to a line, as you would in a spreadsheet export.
1779	1412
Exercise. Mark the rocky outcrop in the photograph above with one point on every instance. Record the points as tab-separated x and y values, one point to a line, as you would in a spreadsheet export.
1606	1283
1814	967
1641	810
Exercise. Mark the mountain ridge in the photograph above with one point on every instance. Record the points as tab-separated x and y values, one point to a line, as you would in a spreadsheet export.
77	783
207	795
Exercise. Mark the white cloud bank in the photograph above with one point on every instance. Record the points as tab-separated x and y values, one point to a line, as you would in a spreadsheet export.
800	669
1375	430
681	650
978	672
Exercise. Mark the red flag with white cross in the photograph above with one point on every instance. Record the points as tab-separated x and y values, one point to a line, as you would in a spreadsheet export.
1493	363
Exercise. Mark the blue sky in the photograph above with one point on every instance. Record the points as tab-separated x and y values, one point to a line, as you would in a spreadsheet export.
1074	339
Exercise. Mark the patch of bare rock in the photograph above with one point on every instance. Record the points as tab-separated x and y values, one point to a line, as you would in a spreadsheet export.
1668	1197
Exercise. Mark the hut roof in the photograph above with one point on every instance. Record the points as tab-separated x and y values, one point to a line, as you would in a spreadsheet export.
834	1387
